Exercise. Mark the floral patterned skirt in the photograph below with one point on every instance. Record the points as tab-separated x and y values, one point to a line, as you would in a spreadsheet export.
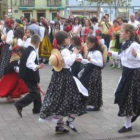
95	88
62	97
5	58
131	104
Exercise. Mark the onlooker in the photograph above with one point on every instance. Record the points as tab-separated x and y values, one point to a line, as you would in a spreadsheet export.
115	28
120	20
19	23
105	24
91	31
76	27
94	21
34	27
62	22
138	13
133	21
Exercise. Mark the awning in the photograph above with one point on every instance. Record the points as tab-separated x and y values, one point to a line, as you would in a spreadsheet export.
41	8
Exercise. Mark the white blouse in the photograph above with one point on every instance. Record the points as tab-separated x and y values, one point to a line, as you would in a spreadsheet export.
127	59
19	42
42	32
68	58
76	28
26	43
9	36
96	58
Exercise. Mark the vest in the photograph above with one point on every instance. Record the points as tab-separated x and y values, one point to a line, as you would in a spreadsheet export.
25	73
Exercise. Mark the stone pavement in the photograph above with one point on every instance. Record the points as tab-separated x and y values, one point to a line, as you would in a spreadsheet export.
102	125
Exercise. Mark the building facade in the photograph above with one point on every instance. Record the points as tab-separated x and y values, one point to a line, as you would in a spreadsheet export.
33	8
74	7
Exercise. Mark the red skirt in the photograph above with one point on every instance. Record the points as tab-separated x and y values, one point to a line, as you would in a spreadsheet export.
11	85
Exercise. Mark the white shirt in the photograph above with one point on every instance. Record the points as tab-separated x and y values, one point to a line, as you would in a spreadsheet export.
19	42
9	36
135	23
68	58
102	41
4	30
61	26
95	27
26	43
31	60
42	32
93	34
76	28
96	58
127	59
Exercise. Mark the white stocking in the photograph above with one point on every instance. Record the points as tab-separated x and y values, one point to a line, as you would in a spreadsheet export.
127	123
71	120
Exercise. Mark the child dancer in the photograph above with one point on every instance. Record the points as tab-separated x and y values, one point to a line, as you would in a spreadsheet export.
6	52
29	72
13	88
76	67
27	38
127	95
62	97
91	77
115	46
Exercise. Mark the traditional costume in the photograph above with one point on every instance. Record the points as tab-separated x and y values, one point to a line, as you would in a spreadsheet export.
91	78
45	46
62	97
6	52
127	95
30	74
76	66
12	88
85	32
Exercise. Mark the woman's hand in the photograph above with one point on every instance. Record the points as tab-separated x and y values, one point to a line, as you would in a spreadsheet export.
88	58
24	38
134	53
78	59
109	53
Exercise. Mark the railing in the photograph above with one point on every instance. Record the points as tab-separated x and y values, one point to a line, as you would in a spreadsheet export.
54	3
27	3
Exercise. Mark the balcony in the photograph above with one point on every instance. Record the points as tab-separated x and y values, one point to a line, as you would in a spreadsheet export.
27	3
54	3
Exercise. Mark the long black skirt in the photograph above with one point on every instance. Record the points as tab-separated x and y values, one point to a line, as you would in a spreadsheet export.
5	58
92	80
62	97
127	95
76	68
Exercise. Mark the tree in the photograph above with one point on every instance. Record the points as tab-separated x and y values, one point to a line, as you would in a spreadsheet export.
119	3
97	2
115	3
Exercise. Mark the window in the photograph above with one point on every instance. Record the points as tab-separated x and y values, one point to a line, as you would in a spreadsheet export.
54	3
27	2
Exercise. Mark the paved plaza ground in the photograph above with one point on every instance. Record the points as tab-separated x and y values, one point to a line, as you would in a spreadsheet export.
102	125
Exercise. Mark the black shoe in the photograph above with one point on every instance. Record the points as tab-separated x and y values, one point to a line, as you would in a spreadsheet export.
93	109
61	130
124	129
72	128
19	110
134	118
35	111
